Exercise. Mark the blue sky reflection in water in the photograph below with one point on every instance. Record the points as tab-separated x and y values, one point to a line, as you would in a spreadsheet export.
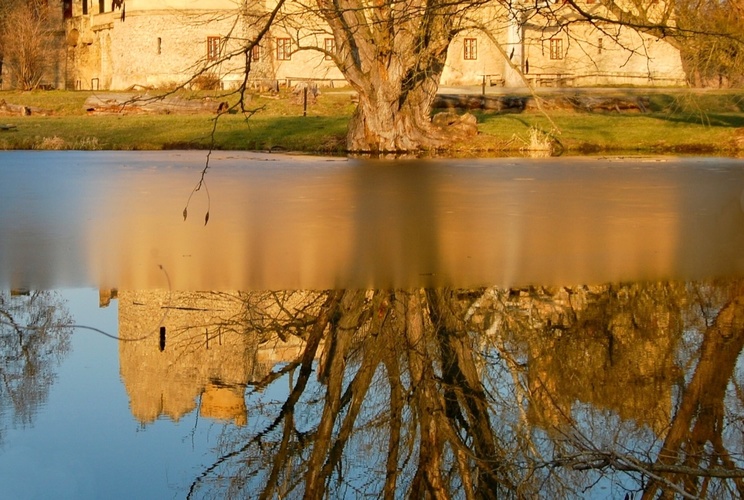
134	418
83	441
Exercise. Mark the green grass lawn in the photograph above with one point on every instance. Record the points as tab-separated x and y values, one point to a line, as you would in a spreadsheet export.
587	133
677	121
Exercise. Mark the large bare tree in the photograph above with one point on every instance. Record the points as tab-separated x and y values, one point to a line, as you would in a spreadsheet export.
712	48
493	393
393	53
27	41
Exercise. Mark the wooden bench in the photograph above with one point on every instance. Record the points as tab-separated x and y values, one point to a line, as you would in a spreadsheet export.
496	80
551	79
328	81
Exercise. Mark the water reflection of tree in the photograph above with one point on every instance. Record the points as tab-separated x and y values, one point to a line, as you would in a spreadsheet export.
476	394
696	441
34	335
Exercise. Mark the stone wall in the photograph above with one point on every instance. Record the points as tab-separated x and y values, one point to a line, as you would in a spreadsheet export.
587	55
148	48
488	61
180	350
163	43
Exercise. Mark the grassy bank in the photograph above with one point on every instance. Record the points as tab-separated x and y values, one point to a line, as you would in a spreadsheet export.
674	121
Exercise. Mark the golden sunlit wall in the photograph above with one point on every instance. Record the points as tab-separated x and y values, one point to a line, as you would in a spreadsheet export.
164	43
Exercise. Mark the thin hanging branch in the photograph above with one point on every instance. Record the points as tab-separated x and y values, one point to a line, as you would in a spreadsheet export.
245	52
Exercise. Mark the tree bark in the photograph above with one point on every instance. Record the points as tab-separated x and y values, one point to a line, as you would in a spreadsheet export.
393	55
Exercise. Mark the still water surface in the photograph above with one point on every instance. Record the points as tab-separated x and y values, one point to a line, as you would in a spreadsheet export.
511	327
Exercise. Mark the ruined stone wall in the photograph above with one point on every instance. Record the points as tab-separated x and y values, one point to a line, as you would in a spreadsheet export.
149	48
55	74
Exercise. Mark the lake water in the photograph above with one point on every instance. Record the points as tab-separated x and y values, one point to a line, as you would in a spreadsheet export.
328	326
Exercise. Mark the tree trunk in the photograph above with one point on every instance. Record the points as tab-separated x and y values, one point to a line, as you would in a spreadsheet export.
386	121
698	421
393	54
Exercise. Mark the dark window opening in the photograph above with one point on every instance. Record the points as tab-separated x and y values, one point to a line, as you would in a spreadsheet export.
162	338
283	49
101	6
85	7
213	48
67	9
255	53
470	49
556	48
330	48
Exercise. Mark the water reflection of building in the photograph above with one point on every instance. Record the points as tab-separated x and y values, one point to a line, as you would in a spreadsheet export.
611	348
614	349
629	380
180	350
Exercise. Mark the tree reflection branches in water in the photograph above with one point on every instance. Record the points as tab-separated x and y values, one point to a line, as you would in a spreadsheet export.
695	439
34	335
483	393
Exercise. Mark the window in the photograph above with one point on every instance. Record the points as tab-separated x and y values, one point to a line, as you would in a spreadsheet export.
599	46
470	50
283	49
160	45
556	48
67	9
256	53
213	48
329	45
101	6
85	7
